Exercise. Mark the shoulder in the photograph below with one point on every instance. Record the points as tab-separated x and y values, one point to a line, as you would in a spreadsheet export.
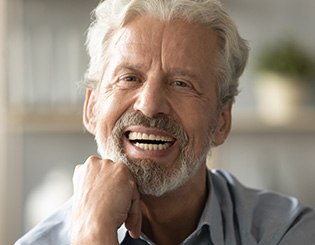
269	217
52	230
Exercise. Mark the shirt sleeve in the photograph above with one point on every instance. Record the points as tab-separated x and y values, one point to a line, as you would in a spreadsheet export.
53	230
302	230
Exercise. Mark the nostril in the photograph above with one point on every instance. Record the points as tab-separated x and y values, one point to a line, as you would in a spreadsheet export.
152	104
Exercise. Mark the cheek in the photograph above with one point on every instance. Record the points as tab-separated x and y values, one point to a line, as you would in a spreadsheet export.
110	107
198	131
196	120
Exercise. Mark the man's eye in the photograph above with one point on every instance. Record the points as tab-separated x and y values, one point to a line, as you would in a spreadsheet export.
130	79
182	84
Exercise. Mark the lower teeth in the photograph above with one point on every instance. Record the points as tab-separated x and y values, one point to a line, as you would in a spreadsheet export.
153	147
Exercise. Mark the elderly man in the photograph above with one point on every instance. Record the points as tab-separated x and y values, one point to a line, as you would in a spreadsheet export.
161	83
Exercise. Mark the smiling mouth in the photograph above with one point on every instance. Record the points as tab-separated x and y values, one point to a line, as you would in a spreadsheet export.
150	142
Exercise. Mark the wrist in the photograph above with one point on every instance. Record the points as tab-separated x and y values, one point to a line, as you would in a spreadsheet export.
95	236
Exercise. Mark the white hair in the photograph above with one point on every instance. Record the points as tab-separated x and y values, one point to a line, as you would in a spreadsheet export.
111	15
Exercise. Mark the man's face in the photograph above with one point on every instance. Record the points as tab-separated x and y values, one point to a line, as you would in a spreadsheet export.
156	108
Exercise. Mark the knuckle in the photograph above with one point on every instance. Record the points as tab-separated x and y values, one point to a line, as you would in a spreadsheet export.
122	169
77	167
92	162
123	173
92	159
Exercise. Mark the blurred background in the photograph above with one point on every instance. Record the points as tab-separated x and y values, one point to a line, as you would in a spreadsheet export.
43	59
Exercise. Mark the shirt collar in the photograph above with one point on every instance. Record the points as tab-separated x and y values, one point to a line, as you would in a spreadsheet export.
211	218
211	215
122	232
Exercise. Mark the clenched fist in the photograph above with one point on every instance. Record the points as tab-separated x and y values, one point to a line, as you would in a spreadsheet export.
105	197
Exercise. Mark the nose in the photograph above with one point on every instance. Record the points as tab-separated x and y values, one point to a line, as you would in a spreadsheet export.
152	99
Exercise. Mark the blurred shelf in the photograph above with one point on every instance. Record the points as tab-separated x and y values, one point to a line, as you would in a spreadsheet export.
248	120
41	120
245	120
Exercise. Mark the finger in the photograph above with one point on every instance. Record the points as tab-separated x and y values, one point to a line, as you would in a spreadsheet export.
81	168
133	222
133	212
76	174
77	168
138	227
134	219
136	232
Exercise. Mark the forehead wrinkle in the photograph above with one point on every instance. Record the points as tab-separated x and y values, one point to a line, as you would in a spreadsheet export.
134	41
178	51
206	48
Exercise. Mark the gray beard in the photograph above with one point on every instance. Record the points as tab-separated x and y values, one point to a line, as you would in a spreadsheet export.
151	177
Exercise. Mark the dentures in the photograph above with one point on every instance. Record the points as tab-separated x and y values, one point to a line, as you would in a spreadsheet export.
150	142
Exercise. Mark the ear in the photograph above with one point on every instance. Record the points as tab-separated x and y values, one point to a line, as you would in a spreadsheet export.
224	124
89	115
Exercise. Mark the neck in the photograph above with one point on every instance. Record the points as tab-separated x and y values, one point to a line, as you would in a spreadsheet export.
171	218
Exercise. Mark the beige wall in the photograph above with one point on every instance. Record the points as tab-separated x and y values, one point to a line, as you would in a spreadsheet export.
3	162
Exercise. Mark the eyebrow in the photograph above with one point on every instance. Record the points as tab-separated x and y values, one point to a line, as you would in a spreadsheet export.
185	73
172	71
128	66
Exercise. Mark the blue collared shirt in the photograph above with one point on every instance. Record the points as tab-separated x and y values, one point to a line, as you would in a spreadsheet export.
233	214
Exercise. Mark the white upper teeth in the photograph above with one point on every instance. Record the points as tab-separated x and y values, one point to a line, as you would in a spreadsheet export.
165	141
143	136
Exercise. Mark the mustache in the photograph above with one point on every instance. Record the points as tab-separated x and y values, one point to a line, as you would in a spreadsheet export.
162	122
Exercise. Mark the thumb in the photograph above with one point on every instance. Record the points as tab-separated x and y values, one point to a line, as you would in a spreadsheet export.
133	222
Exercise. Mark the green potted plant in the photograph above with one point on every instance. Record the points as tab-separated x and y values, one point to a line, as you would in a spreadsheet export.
287	59
285	77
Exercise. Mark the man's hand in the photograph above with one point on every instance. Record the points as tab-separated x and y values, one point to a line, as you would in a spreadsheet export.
105	197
